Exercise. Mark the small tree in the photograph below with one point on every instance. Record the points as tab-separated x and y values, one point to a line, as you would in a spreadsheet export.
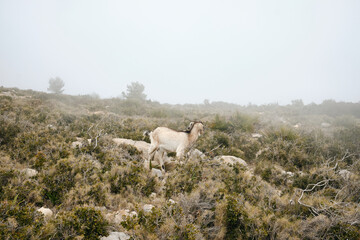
135	91
56	85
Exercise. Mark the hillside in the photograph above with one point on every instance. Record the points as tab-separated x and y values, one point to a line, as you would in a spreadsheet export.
300	178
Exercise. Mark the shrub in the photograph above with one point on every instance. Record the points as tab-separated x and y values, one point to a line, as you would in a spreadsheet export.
84	222
5	178
236	220
134	178
151	221
19	221
266	174
58	182
343	231
184	179
8	131
244	122
220	123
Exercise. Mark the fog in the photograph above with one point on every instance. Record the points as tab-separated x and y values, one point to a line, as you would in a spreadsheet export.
185	51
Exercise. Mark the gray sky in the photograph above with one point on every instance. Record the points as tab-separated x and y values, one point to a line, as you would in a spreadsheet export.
185	51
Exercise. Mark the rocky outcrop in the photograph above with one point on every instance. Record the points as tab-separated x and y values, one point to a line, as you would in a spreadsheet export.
116	236
140	145
231	160
345	174
156	173
120	216
148	207
46	212
29	172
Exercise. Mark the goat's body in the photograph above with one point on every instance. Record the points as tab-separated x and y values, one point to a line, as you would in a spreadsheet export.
169	140
166	139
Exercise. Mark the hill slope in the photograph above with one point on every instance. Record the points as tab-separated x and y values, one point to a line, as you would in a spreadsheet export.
302	179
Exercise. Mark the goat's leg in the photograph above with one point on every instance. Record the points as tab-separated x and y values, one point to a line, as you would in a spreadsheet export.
152	151
180	154
161	160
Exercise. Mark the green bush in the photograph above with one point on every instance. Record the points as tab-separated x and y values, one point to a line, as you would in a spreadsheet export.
151	221
343	231
8	132
244	122
19	221
236	220
184	179
5	178
58	182
135	177
219	123
84	222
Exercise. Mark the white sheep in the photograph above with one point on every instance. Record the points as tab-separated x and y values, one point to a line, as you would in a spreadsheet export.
166	139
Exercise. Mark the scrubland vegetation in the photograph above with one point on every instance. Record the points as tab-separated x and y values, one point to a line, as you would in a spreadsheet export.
302	180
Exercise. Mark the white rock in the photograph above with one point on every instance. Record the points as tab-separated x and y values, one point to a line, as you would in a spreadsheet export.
195	154
102	209
156	172
153	195
30	172
171	201
325	125
46	212
76	144
50	126
345	174
133	214
256	135
148	207
232	160
140	145
116	236
121	215
290	174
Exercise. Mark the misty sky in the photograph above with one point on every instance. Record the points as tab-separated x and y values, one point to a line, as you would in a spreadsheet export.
185	51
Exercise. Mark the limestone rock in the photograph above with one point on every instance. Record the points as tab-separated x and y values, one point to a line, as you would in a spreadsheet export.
148	207
76	144
120	216
156	172
46	212
116	236
133	214
140	145
30	172
232	160
256	135
196	154
345	174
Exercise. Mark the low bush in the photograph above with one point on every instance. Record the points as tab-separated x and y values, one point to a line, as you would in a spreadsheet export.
81	222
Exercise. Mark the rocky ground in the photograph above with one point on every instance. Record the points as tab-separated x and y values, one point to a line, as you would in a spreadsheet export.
75	167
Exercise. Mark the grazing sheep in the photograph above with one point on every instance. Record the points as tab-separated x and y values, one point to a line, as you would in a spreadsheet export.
166	139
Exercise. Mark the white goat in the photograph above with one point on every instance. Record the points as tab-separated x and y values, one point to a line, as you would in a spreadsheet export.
166	139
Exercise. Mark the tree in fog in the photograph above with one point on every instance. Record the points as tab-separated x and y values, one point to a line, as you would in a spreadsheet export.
56	85
135	91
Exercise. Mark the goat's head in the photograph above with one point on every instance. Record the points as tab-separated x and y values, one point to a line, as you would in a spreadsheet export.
198	125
